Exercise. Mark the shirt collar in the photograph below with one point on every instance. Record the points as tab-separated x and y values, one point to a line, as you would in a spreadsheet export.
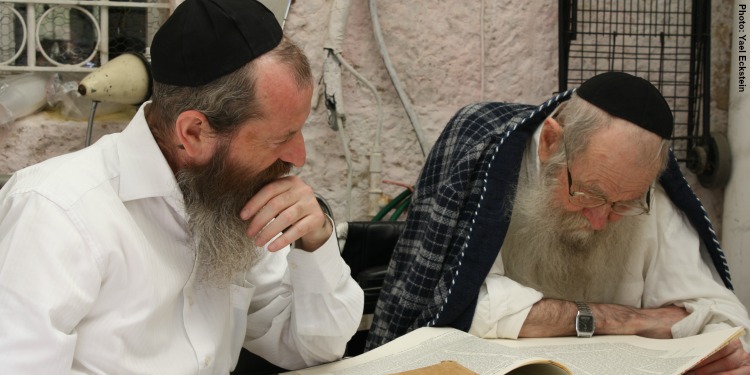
144	171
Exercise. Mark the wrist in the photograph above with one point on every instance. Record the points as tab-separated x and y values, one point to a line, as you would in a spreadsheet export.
585	324
315	239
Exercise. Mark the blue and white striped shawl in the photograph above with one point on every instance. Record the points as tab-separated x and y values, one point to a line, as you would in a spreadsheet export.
457	219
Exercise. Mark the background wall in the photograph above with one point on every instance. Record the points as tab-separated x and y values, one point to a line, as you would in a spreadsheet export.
447	54
437	51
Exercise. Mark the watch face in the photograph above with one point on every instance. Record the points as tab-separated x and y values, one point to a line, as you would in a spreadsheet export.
585	323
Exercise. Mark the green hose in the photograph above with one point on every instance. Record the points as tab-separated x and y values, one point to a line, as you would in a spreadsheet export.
394	203
401	208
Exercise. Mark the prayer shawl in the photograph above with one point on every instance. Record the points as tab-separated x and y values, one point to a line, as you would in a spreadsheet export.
457	220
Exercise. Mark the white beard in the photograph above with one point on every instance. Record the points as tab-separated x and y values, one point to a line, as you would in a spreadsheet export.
214	195
218	233
547	249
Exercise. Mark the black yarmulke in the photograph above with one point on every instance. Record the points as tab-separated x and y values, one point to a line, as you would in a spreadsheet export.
630	98
206	39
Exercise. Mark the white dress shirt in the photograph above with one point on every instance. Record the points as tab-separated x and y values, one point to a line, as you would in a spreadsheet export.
666	267
97	276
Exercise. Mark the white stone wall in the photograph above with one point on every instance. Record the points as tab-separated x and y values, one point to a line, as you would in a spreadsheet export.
447	54
435	47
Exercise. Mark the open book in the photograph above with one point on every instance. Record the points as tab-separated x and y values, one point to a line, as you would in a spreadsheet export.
450	351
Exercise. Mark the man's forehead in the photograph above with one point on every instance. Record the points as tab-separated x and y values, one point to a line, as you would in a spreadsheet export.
609	173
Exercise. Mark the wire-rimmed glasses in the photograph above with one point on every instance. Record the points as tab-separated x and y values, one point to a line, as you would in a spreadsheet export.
586	200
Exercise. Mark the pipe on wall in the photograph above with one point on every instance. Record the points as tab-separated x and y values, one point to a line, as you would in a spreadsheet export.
736	219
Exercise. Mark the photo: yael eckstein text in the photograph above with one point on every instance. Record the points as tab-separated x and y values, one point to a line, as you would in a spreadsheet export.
742	47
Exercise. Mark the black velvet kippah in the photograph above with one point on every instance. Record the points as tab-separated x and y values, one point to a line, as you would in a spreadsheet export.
206	39
630	98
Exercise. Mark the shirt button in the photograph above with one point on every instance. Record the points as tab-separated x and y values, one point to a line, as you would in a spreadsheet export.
207	360
190	301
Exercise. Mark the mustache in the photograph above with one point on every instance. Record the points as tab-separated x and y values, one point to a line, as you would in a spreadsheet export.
245	185
223	181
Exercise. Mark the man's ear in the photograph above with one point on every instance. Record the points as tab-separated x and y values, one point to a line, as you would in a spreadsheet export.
195	137
550	139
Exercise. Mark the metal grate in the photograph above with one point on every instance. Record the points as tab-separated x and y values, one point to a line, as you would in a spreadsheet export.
72	35
665	42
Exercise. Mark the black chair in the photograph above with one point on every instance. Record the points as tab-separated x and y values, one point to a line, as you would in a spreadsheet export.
253	364
367	251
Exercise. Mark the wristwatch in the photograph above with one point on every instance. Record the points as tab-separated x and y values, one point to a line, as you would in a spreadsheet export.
584	320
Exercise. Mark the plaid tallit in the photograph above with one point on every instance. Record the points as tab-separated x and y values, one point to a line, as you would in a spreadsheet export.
457	219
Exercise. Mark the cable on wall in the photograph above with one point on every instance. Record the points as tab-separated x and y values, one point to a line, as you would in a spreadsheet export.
395	80
333	91
376	154
331	80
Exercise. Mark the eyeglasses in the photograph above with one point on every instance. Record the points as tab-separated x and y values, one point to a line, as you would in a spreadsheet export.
625	208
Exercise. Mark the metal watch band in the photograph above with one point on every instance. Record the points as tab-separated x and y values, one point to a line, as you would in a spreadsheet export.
583	306
585	323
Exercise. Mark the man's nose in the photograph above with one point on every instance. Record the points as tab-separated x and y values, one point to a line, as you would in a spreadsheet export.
598	217
295	152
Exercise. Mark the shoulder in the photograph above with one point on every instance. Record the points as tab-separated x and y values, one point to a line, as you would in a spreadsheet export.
480	119
64	180
477	125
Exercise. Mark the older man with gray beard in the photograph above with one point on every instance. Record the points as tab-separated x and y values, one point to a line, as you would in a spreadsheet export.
567	219
166	248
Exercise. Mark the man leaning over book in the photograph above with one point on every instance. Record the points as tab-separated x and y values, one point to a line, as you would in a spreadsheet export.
570	218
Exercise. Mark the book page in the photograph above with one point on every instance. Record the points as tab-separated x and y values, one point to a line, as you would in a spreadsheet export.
624	354
597	355
442	368
426	347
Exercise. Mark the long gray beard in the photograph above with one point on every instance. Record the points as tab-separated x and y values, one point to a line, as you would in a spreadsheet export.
555	251
214	195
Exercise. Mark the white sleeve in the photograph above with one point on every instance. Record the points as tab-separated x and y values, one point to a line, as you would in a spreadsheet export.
305	308
680	275
48	282
502	305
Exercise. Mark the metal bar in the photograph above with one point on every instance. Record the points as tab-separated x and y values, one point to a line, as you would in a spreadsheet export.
104	27
695	72
57	68
563	43
30	35
706	36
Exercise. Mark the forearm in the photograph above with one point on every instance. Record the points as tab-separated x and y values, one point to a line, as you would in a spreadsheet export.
502	307
291	342
549	318
310	316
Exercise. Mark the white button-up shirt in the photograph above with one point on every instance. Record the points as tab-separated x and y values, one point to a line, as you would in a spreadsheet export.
666	267
97	276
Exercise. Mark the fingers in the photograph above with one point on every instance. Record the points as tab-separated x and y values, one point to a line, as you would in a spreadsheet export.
301	230
267	193
731	359
286	205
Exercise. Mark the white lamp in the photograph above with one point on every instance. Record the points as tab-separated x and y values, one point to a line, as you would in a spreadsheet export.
125	79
